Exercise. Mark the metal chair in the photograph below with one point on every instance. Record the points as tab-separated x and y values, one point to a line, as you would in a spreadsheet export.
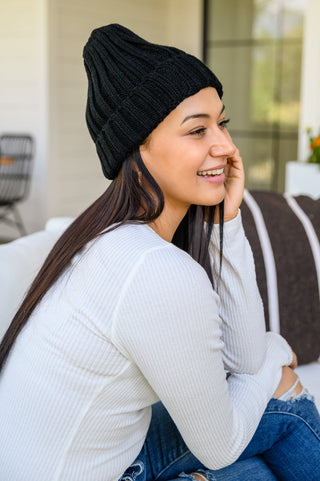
16	154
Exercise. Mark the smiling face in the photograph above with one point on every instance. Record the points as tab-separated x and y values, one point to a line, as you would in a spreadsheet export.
187	152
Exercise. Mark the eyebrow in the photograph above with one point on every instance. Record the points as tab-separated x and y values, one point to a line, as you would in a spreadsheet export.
196	116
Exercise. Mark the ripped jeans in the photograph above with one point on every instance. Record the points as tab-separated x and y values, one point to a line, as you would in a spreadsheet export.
285	447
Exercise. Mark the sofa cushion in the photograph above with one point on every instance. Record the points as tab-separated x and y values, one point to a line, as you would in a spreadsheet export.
284	234
20	261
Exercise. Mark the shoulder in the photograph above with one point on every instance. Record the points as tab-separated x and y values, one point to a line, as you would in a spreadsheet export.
135	253
167	298
129	238
165	276
142	250
159	261
119	249
141	269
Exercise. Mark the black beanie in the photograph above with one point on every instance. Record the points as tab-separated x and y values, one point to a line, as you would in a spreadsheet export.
132	86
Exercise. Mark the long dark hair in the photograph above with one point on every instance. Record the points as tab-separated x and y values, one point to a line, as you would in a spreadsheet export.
125	200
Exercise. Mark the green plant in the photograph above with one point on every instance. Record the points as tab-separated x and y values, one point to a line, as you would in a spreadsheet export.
314	144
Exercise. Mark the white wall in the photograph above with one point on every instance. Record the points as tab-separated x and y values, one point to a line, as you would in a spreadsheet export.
75	177
23	99
43	86
310	88
185	25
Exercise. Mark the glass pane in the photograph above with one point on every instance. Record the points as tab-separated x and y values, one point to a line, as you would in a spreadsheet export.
265	160
289	87
288	150
266	19
233	66
255	48
230	19
255	19
262	86
243	19
258	161
248	78
293	18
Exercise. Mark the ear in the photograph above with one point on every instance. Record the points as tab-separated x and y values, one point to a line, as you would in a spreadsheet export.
145	146
144	150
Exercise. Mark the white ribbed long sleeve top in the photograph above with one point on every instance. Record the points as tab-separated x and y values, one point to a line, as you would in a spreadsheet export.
133	320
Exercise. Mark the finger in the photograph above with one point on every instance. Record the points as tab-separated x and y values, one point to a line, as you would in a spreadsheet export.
234	166
294	363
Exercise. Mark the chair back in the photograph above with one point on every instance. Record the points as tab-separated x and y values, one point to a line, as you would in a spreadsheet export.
16	153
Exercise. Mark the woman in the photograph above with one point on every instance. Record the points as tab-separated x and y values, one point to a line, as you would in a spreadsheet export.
123	313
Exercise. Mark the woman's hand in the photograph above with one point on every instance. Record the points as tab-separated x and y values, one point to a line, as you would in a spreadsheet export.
288	378
234	185
294	363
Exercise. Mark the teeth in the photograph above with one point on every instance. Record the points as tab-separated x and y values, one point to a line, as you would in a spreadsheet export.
210	172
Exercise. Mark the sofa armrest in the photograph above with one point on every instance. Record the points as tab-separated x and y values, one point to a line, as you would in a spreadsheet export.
20	261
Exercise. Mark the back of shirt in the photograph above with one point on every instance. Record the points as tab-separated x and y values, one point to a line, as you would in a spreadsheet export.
72	406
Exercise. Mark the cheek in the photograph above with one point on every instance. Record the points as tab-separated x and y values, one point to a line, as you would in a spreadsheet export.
171	159
157	165
187	155
158	158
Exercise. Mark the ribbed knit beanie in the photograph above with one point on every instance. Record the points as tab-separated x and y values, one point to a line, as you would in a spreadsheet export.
132	86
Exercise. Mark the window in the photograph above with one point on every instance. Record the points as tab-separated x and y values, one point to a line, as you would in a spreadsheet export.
255	48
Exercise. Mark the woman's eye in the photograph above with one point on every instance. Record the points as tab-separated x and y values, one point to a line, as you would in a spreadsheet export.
199	132
224	123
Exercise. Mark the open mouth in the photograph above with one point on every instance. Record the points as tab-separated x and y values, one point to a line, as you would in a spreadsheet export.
209	173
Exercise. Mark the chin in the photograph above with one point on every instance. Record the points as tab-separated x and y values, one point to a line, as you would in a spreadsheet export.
217	199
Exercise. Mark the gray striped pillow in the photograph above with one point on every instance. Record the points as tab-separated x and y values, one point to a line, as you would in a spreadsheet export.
284	234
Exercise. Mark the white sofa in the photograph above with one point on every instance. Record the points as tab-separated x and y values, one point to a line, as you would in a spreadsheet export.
21	259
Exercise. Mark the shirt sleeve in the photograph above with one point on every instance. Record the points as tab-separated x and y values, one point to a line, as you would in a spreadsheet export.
241	309
167	323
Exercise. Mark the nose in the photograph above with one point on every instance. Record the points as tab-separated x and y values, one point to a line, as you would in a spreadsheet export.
222	145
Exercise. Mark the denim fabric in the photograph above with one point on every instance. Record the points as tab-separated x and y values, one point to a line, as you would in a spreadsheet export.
285	447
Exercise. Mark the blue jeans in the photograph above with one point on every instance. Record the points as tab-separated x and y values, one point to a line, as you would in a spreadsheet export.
285	446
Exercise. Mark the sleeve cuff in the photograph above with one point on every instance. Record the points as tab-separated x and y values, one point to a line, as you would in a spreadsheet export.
230	229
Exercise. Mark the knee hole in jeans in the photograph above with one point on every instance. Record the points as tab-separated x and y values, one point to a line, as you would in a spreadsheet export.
133	471
196	476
